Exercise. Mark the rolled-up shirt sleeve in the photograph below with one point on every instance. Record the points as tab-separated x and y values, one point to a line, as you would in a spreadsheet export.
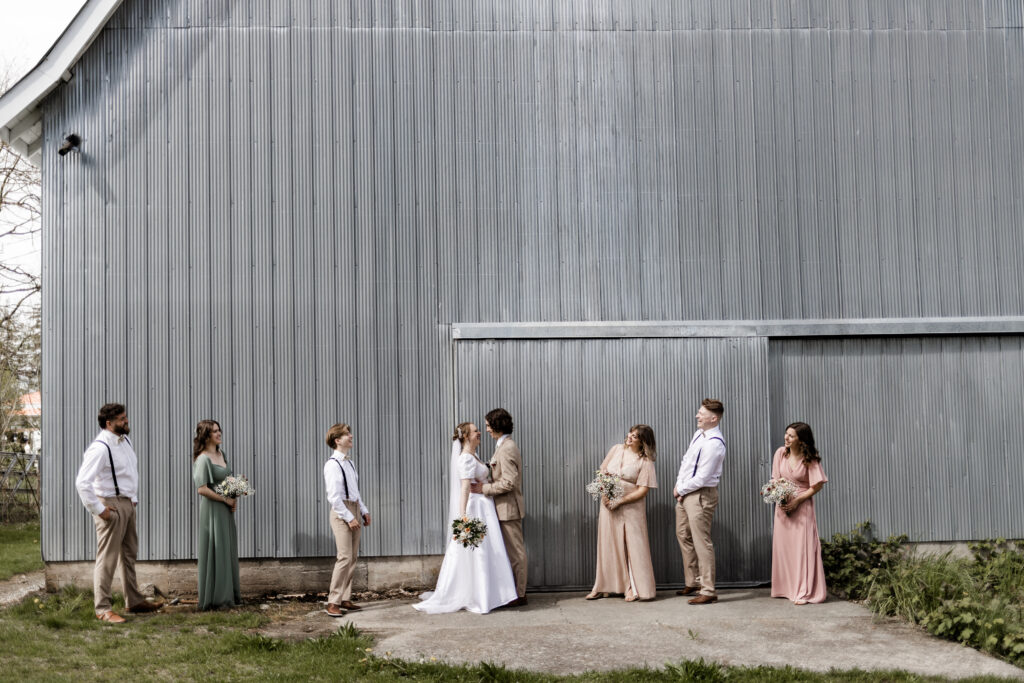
91	463
709	468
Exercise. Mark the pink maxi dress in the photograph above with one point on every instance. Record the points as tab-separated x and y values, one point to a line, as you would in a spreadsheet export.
797	571
623	551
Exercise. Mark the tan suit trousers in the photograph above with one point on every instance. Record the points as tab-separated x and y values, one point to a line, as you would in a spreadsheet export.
346	539
693	531
515	547
116	539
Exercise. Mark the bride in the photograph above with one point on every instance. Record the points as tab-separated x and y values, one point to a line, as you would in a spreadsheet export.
474	579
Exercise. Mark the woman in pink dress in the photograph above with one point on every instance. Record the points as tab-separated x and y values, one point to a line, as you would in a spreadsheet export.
623	551
797	571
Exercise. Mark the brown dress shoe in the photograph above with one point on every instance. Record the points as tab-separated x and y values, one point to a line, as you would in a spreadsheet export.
349	605
334	610
110	617
687	590
145	607
703	600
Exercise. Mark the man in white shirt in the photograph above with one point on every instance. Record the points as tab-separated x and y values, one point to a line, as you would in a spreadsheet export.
108	484
696	494
347	507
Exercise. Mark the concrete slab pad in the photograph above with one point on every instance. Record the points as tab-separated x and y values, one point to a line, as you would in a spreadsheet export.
561	633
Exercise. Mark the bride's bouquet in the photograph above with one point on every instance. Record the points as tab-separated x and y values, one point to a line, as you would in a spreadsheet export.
607	485
777	491
469	531
234	487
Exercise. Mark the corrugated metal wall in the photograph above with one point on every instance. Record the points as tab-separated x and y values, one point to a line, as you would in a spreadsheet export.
280	206
572	400
922	436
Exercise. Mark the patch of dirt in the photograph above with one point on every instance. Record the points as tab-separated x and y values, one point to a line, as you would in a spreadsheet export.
17	587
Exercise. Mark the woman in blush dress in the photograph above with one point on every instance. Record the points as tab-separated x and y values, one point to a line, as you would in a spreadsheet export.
218	543
623	551
475	579
797	570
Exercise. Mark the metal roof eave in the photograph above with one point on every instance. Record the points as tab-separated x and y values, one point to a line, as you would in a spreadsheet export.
21	120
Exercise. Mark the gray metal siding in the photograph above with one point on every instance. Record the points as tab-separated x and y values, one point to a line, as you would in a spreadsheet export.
281	206
572	400
918	435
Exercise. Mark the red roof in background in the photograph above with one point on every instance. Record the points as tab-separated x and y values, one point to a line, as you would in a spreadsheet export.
32	405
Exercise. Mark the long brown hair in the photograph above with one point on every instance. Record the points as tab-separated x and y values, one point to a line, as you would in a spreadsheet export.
645	435
805	438
203	431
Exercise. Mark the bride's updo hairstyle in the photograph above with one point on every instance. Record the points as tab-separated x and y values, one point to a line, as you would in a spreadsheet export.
462	432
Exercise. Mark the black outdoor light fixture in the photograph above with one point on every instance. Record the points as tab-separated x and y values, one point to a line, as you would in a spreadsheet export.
70	142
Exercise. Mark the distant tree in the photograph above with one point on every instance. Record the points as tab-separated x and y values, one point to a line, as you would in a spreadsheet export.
19	220
20	363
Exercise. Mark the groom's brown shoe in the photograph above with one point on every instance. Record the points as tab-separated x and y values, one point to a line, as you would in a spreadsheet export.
703	600
334	611
688	590
349	605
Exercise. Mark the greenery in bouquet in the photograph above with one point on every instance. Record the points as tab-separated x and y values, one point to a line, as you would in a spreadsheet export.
777	491
234	487
605	486
469	531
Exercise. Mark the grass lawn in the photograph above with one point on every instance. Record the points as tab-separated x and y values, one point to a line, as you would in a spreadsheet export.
19	549
56	636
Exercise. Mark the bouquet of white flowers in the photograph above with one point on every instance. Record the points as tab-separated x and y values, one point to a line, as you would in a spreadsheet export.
469	531
234	487
777	491
608	485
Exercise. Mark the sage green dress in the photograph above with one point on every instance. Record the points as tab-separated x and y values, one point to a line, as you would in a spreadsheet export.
218	541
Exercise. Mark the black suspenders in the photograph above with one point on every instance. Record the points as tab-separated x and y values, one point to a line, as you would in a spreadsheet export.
344	478
110	457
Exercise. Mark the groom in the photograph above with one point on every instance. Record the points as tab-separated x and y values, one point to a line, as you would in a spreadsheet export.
506	487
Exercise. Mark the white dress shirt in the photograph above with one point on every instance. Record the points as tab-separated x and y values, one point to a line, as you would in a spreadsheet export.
94	480
335	483
702	464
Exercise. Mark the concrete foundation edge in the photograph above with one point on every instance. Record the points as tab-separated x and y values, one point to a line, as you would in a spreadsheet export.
265	577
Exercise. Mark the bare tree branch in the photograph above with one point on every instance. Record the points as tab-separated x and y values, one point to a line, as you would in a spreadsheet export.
20	214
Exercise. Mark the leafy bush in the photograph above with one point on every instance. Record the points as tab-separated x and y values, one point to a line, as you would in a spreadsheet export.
853	560
978	601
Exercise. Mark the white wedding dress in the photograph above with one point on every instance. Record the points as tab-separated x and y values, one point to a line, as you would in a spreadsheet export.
475	579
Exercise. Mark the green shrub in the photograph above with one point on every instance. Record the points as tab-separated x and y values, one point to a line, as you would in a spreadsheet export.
978	601
853	560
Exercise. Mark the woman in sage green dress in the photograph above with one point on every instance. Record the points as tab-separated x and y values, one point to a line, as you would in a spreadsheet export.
218	541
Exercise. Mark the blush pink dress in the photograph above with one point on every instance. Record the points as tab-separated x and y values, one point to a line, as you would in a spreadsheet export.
623	551
797	571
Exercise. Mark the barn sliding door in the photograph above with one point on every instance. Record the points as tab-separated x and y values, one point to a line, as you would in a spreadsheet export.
572	399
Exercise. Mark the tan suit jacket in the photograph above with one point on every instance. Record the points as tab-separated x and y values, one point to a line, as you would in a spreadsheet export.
506	486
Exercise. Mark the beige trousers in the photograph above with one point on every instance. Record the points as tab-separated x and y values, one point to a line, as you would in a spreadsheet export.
116	539
693	531
346	539
515	547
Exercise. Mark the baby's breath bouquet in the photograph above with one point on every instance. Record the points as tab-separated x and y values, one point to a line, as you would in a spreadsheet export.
777	491
606	485
469	531
234	487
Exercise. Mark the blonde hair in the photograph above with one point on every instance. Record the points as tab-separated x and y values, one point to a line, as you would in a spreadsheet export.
461	432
